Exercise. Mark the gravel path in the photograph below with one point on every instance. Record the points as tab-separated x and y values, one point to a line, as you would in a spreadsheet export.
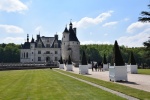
103	88
137	81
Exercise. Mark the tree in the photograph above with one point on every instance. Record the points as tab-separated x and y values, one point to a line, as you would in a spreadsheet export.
83	60
117	57
61	61
146	16
104	59
131	59
69	60
89	61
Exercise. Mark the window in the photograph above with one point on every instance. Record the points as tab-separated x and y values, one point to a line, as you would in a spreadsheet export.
27	55
56	45
64	36
39	45
32	52
47	45
32	59
47	40
24	54
39	58
47	52
55	58
39	52
55	52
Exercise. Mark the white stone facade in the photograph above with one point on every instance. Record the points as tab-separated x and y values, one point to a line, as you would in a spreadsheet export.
50	49
70	45
44	49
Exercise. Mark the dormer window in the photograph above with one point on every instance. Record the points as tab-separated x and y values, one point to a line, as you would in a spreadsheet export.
56	45
47	45
39	45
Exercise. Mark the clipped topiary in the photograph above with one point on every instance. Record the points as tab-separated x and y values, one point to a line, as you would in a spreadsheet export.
131	59
117	58
69	60
89	61
104	59
84	61
61	61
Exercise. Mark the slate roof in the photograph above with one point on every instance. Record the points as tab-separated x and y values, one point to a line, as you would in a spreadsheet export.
72	35
52	40
26	45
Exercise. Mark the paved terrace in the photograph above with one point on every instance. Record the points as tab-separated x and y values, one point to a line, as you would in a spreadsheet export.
137	81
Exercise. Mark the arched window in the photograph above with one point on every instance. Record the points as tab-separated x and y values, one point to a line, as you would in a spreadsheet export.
27	55
24	55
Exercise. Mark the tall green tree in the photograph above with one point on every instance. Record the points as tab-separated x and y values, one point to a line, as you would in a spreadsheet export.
145	16
117	57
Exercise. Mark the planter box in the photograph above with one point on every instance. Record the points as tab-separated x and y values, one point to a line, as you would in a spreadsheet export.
90	66
61	66
68	67
132	69
83	69
118	73
105	67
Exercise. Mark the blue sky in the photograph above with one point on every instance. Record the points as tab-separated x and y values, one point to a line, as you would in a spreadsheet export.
97	21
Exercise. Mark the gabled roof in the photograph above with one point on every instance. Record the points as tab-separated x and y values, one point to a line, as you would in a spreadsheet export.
59	43
39	40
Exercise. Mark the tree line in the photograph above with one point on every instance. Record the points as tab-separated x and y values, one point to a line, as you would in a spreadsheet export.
96	52
10	53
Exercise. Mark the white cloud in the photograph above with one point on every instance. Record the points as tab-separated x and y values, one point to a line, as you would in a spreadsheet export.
110	24
126	19
94	42
135	40
105	34
12	6
137	26
39	28
16	40
11	29
86	21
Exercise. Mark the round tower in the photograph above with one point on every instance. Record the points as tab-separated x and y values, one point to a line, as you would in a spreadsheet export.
70	45
65	44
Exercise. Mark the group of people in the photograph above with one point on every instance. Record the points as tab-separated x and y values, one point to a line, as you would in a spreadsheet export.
97	66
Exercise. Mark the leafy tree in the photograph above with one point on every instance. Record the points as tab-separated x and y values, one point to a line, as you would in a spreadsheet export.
83	60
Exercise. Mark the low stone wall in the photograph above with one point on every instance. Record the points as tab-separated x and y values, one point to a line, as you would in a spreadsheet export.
21	66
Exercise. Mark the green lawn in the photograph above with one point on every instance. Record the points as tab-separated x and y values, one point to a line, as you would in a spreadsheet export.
46	84
144	71
143	95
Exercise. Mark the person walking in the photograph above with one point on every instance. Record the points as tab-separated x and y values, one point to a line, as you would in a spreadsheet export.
92	66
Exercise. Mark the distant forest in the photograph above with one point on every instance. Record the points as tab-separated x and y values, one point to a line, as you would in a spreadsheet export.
96	52
10	53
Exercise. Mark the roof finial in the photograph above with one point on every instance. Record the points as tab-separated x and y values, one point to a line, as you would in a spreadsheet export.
27	37
39	32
